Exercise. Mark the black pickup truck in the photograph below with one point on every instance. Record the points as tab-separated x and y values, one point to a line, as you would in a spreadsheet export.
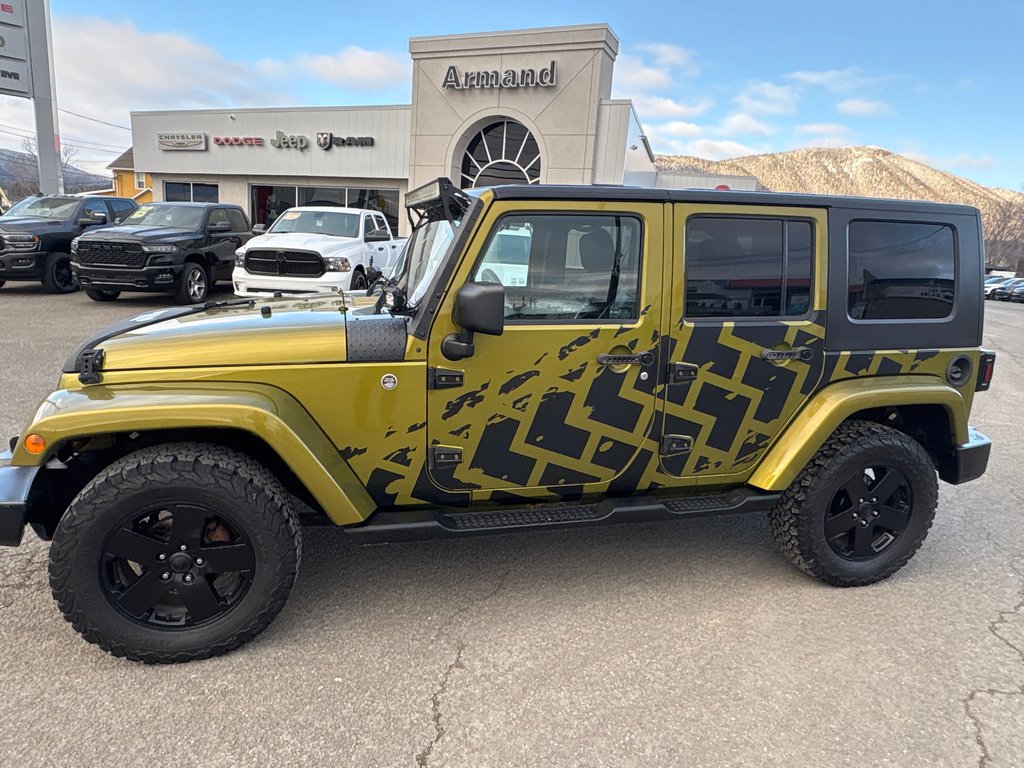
36	235
180	248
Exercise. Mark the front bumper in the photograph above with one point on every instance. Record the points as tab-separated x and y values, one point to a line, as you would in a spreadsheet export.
15	484
21	265
152	278
968	461
246	284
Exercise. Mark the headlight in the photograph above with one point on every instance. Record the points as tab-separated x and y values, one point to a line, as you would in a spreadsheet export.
168	248
22	242
337	264
74	245
240	257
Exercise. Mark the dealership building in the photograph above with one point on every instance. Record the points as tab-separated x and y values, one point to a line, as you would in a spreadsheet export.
526	106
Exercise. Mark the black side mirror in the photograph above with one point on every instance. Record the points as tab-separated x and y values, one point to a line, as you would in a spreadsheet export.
479	308
259	229
96	217
377	236
220	226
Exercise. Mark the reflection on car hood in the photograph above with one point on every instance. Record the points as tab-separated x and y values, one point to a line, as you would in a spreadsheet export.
138	232
304	241
29	223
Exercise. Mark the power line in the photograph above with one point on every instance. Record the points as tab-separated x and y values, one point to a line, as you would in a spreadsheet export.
102	122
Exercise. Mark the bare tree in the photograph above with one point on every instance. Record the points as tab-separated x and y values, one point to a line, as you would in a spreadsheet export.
1004	234
68	154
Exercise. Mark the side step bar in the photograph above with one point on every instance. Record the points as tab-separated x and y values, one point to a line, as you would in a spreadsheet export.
414	525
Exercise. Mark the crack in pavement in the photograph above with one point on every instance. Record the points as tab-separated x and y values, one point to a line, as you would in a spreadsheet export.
1001	619
423	758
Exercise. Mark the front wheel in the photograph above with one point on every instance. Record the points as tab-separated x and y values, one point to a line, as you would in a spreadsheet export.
57	274
176	552
101	295
194	286
358	282
861	507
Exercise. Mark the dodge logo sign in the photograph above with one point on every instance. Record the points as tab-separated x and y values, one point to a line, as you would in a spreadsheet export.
248	141
325	140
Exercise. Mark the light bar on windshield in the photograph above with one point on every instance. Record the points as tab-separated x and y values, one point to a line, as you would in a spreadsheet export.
425	195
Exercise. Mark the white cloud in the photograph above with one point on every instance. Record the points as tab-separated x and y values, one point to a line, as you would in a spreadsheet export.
357	68
768	98
822	128
863	107
680	128
741	123
964	160
662	107
632	74
834	80
712	149
674	56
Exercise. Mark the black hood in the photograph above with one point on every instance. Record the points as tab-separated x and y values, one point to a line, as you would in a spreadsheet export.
34	224
138	232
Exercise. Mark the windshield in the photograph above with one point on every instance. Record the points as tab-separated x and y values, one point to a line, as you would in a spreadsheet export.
318	223
176	216
45	207
422	256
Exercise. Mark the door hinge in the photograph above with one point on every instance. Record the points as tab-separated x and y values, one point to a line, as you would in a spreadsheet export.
675	444
682	373
443	456
444	378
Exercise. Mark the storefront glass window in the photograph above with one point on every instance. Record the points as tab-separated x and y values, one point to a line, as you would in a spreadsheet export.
322	196
187	192
205	193
270	202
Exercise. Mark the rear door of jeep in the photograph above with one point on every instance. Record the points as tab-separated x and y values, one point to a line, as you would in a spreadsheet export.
745	342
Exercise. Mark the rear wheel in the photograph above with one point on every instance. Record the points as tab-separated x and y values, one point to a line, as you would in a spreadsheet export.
57	274
194	286
100	295
861	507
176	552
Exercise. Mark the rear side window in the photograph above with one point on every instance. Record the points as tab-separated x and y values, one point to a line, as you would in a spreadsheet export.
900	270
121	208
744	266
237	219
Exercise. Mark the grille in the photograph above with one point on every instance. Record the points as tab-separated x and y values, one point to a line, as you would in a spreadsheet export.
299	263
127	255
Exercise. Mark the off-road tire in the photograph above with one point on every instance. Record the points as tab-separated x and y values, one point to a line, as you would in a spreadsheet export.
184	293
57	275
99	295
797	521
187	473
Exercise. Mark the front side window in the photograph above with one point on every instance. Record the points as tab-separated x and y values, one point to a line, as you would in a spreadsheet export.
93	208
901	270
558	267
744	266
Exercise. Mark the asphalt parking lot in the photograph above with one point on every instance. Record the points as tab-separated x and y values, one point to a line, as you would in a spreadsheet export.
689	643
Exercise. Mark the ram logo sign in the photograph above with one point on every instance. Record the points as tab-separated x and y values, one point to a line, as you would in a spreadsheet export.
325	140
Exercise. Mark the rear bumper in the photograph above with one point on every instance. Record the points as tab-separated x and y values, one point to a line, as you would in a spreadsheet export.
15	484
968	462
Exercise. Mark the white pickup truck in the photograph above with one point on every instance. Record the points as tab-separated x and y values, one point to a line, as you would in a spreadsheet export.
311	249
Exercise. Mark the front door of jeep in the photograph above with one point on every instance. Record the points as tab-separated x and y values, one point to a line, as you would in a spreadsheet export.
560	404
745	345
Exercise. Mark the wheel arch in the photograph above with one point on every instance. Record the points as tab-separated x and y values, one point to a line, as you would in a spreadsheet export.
923	407
88	429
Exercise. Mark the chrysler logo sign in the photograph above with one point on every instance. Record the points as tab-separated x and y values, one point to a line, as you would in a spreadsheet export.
181	141
325	140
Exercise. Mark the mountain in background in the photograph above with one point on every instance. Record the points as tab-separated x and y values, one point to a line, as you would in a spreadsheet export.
866	171
19	175
877	172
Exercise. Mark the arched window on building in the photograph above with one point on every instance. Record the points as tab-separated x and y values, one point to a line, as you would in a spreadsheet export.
503	152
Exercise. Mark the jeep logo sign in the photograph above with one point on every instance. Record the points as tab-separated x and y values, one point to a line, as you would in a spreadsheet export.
289	141
325	140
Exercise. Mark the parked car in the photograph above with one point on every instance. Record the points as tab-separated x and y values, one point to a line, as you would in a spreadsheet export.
1004	290
1018	294
992	283
182	450
36	235
311	249
180	248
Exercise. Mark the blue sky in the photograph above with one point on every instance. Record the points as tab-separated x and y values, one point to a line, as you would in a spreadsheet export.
938	81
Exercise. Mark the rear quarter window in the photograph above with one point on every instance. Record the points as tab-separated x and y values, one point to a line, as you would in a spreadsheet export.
901	270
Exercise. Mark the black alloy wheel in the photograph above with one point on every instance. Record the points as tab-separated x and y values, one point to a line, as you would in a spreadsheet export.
176	565
57	274
869	512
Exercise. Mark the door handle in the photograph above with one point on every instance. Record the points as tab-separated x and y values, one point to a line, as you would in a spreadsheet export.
797	353
643	358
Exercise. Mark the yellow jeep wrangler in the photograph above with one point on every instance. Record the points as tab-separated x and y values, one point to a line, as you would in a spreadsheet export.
541	357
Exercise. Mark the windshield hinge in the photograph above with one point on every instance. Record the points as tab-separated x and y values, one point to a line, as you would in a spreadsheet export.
444	378
443	456
89	363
